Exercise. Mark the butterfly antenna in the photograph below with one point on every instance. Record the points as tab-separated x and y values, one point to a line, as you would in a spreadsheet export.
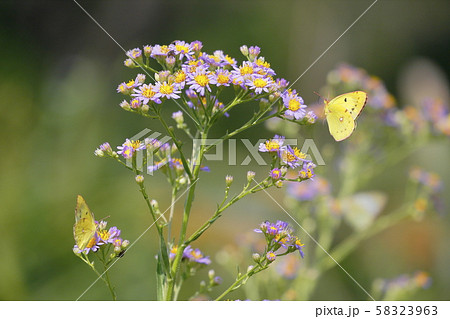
320	96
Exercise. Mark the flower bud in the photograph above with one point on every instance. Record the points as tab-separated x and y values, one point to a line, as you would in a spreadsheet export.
102	225
130	63
283	170
170	62
182	180
147	50
250	176
254	52
211	274
154	204
139	179
202	285
228	180
125	243
140	78
279	183
217	281
145	108
178	117
256	257
249	268
125	105
244	50
99	153
162	76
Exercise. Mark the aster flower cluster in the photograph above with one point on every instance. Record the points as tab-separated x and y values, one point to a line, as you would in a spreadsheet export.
284	157
197	78
278	236
105	238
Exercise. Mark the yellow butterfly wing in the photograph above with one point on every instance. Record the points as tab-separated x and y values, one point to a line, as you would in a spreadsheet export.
342	111
85	227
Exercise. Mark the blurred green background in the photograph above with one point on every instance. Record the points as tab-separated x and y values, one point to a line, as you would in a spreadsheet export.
58	77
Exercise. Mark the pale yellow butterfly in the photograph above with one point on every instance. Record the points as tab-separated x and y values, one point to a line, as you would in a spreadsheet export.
85	227
342	111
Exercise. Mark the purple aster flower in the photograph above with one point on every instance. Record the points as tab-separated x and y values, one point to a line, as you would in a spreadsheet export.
183	49
221	77
195	255
281	84
135	103
264	67
307	171
254	51
244	72
146	93
156	166
104	149
271	256
294	105
196	45
129	147
259	84
298	245
165	90
123	88
275	174
199	81
161	51
291	156
272	145
180	79
135	54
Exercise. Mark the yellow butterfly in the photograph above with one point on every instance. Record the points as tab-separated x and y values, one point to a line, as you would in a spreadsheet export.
342	111
85	227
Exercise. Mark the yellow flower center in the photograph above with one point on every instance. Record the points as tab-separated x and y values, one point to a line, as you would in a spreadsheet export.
246	70
164	49
181	48
299	243
104	235
263	63
272	146
174	249
130	83
91	242
180	76
135	144
299	154
259	83
294	105
148	92
166	88
202	79
222	78
196	254
229	59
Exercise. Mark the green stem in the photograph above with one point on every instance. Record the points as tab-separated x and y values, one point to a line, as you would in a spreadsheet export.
178	144
172	209
242	279
217	213
187	210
